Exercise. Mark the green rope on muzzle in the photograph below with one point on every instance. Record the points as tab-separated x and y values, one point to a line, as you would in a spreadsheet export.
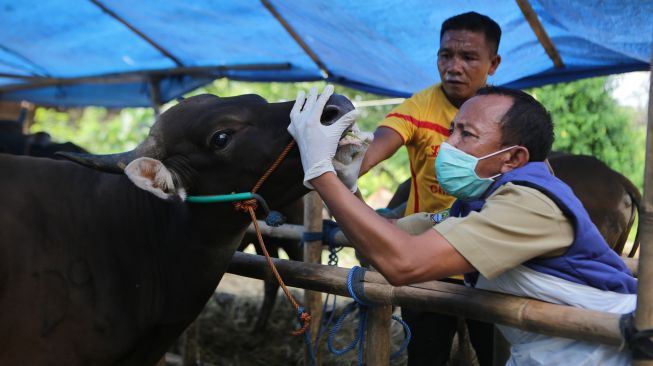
222	198
244	196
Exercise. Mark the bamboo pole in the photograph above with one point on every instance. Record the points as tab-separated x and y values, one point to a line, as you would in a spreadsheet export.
644	312
291	31
289	231
540	33
377	341
313	254
32	82
138	32
531	315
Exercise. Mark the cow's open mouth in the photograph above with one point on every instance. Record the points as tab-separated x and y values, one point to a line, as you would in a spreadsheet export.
353	143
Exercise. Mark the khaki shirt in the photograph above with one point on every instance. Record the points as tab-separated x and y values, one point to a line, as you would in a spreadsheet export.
516	224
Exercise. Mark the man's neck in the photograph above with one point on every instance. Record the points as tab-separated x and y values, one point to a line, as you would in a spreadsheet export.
456	102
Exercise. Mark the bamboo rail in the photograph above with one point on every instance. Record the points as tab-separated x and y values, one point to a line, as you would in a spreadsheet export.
446	298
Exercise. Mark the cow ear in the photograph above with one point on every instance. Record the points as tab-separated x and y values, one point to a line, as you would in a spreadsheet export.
151	175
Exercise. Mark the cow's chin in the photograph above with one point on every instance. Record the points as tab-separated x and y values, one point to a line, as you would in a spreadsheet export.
353	145
350	153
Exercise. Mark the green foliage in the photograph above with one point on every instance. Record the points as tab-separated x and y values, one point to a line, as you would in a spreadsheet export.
589	121
96	129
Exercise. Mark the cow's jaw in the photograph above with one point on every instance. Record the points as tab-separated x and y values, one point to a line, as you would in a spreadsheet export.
351	150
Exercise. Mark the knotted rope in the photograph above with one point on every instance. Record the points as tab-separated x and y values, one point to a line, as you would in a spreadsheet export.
250	207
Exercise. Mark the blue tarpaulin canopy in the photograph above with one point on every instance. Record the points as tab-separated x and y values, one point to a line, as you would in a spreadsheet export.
125	53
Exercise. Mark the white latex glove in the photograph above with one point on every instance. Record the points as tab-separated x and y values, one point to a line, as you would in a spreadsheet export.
317	143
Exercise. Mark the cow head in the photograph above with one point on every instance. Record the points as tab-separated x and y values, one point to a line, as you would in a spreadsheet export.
208	145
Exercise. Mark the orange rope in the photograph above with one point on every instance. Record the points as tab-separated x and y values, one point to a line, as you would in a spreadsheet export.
250	206
274	166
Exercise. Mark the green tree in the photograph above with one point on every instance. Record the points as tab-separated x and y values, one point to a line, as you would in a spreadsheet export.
589	121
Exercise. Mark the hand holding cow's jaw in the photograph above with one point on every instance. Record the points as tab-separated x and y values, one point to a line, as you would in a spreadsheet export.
319	144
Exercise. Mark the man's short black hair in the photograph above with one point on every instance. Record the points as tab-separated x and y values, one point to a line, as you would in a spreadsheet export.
526	123
473	21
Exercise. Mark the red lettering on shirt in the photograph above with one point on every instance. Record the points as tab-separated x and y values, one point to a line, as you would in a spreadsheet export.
436	189
434	150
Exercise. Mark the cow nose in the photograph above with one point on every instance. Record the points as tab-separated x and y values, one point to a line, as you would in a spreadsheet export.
336	107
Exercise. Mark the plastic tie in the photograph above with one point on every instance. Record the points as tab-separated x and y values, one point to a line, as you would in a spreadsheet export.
330	228
312	236
275	219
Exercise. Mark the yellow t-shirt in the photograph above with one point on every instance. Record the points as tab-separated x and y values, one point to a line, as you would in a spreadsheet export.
423	122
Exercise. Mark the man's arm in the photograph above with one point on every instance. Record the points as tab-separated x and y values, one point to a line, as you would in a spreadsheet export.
401	258
386	142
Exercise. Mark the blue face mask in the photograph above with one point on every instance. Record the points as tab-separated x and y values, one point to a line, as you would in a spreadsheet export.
456	172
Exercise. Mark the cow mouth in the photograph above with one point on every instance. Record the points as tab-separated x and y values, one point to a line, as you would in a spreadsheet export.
352	145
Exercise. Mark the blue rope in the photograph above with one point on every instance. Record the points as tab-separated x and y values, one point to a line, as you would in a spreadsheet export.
355	279
359	339
354	282
407	338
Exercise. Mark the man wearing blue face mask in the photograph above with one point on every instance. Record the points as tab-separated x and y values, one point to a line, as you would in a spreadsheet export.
514	225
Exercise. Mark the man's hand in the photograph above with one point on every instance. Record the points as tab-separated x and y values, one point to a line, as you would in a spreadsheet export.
317	143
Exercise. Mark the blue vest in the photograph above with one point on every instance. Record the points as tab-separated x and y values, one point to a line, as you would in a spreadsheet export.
589	260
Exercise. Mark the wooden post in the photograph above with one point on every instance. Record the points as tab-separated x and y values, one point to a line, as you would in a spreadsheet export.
155	95
313	254
644	312
377	334
377	345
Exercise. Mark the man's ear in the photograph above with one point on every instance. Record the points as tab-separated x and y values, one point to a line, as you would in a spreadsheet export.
518	157
496	60
152	176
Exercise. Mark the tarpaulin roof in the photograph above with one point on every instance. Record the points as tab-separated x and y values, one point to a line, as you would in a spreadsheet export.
121	53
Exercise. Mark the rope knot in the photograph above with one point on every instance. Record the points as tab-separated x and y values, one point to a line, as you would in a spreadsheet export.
305	320
245	206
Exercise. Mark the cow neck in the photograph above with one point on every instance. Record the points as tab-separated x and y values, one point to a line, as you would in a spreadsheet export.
247	202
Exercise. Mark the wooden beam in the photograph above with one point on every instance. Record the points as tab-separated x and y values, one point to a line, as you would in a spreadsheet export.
325	71
155	95
446	298
644	311
540	32
34	82
147	39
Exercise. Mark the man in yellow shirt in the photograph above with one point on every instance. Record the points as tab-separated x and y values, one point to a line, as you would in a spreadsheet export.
467	56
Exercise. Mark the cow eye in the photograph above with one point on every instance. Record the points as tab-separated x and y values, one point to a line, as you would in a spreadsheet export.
220	139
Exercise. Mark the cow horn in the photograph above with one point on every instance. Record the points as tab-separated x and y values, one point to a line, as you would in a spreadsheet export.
113	163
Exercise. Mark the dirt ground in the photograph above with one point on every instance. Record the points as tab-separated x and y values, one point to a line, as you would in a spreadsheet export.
226	339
